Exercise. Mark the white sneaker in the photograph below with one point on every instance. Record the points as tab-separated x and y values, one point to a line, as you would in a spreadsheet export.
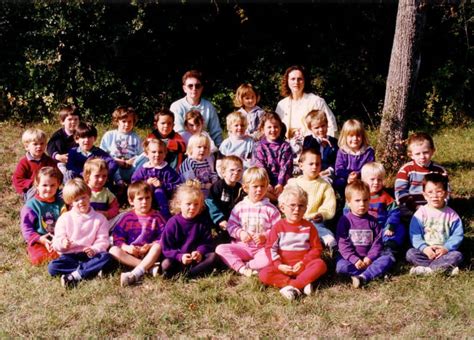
127	279
245	271
357	281
290	292
155	270
308	289
421	270
454	272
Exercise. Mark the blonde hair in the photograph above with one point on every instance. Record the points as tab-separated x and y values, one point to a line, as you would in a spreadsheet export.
194	140
234	117
139	187
48	171
374	168
295	191
231	159
243	91
351	127
315	116
357	186
255	174
75	188
190	188
94	164
33	135
149	141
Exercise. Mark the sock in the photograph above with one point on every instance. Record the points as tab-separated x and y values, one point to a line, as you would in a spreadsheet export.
75	274
138	271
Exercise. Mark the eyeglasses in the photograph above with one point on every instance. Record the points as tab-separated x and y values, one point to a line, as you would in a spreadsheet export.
196	86
293	207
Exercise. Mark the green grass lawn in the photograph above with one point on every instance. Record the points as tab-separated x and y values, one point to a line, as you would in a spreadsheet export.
32	304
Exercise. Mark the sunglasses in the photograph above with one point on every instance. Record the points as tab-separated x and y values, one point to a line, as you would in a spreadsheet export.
196	86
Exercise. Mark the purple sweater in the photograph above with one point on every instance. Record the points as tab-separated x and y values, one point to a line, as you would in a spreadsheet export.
138	230
168	177
276	157
359	237
183	236
346	163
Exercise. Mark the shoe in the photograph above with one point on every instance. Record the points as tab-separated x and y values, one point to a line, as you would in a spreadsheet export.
290	292
68	281
245	271
308	289
454	272
254	272
357	281
100	274
127	279
421	271
155	270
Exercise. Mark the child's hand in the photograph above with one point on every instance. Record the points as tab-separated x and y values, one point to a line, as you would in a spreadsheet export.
132	250
325	173
439	251
367	261
278	189
89	251
244	236
430	252
285	269
66	243
154	181
186	259
360	265
352	177
145	249
318	218
223	225
45	240
259	239
196	256
61	158
298	267
389	232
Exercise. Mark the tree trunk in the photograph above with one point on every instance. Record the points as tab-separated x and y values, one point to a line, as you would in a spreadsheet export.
402	74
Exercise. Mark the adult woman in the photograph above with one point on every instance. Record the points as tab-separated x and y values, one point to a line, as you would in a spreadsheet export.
193	87
297	103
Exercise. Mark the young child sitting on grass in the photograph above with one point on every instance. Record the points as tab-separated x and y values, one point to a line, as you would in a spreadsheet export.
34	141
81	237
39	216
136	236
436	231
359	238
293	248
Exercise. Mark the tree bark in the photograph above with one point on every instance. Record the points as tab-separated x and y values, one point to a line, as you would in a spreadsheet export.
402	74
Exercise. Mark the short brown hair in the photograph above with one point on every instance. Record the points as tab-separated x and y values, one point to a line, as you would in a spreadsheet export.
94	164
48	171
436	178
122	112
308	151
85	130
284	88
229	159
74	188
66	111
193	115
139	187
418	138
162	112
192	74
356	186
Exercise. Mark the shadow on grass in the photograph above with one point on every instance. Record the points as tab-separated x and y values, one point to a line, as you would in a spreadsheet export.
458	165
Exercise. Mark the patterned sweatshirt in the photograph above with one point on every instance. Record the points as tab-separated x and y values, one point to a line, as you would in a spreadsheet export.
168	177
276	157
105	202
138	230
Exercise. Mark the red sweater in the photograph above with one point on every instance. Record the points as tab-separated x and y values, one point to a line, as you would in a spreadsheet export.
26	170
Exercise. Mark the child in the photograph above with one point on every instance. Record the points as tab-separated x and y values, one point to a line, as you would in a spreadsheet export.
436	231
34	141
359	238
137	235
39	216
246	99
63	139
102	199
85	136
383	207
249	225
273	153
123	144
321	205
186	240
238	143
158	174
197	166
409	180
81	237
293	248
354	151
317	123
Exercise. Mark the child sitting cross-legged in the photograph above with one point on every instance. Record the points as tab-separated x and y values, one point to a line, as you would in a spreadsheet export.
359	238
136	236
249	226
293	248
81	237
436	231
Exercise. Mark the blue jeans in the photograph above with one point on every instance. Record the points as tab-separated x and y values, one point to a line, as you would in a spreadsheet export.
87	267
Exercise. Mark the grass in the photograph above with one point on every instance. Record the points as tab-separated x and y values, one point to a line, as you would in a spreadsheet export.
32	304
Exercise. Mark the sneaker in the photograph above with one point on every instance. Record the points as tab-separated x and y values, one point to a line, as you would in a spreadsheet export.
245	271
100	274
421	270
68	281
308	289
454	272
357	281
127	279
155	270
254	272
290	292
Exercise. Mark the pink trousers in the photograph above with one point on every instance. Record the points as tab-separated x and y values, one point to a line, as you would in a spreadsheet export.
237	255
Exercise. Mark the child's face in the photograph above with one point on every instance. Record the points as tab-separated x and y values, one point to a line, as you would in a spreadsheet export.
156	154
319	129
421	153
249	101
375	183
193	126
165	125
97	179
435	195
256	190
70	123
293	209
125	125
237	128
359	203
82	204
200	151
232	173
36	148
193	89
86	143
190	206
311	166
47	187
271	130
354	141
141	203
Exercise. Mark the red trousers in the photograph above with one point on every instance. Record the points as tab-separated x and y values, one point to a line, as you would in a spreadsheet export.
38	254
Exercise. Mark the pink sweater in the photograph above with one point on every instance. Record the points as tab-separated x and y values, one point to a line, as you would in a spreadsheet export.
83	230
